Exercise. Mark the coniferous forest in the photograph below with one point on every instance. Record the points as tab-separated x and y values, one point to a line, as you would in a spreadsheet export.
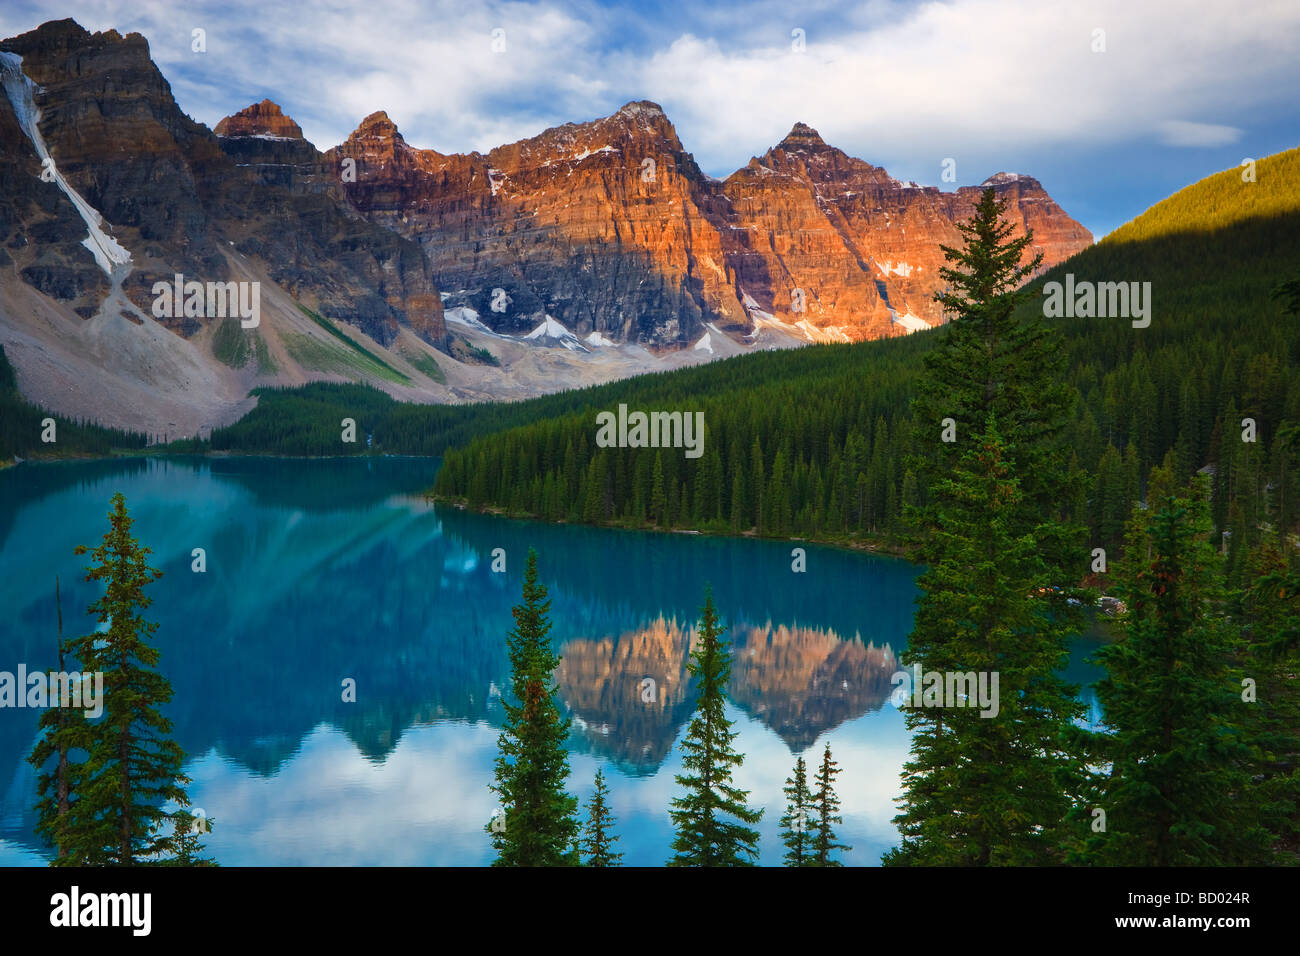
822	443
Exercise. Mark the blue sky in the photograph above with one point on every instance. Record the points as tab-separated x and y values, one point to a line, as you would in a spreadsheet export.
1182	88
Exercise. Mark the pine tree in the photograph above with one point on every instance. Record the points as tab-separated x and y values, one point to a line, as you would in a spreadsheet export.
658	497
982	790
63	729
186	832
597	839
1271	619
1178	787
540	823
1003	559
827	804
705	834
796	824
996	358
114	809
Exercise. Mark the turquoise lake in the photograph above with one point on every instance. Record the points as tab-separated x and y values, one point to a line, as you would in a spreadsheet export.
323	570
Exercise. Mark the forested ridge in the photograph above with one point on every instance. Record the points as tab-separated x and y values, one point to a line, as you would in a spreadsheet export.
816	442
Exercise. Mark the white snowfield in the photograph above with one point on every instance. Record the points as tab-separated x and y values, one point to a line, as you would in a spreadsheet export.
464	315
913	323
552	329
107	251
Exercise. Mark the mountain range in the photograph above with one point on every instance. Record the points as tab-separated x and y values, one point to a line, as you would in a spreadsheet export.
589	252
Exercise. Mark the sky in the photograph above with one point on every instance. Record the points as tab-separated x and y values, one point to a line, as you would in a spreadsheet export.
1113	105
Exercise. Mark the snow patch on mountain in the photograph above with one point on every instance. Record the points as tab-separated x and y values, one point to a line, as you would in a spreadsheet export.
598	340
107	251
897	268
907	320
823	335
553	332
592	152
464	315
705	344
755	312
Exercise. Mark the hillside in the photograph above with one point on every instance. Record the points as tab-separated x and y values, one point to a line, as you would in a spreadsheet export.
22	426
817	448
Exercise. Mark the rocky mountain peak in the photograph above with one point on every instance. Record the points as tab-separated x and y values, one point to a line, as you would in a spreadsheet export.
639	119
638	109
1004	179
802	136
261	119
376	126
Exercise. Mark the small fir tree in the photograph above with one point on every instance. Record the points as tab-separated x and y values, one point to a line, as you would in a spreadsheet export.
712	817
598	840
539	826
827	805
797	823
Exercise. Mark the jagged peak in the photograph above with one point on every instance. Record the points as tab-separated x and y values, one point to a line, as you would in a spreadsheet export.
638	108
376	124
260	119
65	34
1004	178
803	136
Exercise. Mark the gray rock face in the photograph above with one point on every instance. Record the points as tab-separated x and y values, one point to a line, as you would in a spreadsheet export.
176	195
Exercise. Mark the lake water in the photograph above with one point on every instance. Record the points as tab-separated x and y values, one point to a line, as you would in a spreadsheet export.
319	571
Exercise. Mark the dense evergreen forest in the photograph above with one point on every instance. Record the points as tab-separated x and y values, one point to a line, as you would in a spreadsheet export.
306	420
816	442
21	427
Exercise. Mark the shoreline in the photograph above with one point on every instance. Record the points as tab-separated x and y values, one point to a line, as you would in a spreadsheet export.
874	546
117	455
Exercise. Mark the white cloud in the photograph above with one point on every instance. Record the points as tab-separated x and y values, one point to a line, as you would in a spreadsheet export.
980	76
932	81
994	84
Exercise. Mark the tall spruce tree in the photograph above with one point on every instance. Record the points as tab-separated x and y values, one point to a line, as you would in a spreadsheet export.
1003	558
540	822
110	807
985	785
827	804
712	817
996	358
797	822
598	840
1177	793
